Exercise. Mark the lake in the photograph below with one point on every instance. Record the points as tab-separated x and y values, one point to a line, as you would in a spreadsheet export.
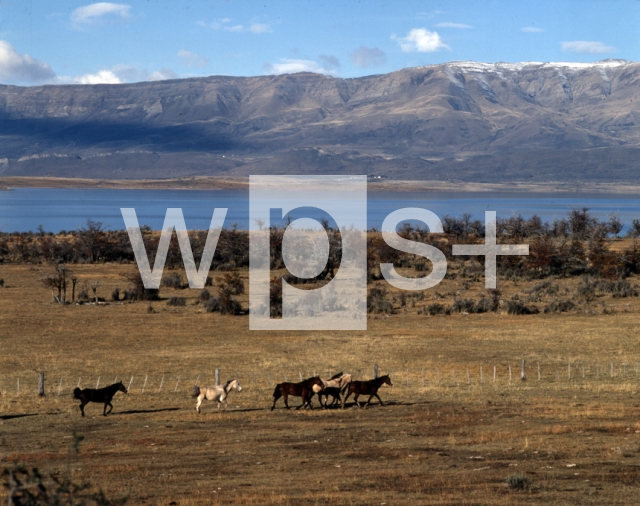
24	209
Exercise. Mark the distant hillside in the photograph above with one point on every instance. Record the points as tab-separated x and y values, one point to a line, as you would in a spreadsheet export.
457	121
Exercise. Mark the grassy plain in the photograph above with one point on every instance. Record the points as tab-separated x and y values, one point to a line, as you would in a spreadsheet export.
439	439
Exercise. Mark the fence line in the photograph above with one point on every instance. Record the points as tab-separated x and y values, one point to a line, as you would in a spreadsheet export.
416	378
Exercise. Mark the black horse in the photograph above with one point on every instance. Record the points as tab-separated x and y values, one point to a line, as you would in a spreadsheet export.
104	395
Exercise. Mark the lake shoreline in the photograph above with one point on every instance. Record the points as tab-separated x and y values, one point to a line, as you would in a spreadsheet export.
242	183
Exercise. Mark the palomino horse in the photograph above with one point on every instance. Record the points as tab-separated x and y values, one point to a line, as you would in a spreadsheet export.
369	388
304	389
216	393
104	395
332	387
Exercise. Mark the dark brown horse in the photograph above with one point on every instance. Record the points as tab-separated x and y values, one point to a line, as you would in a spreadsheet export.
104	395
369	388
303	389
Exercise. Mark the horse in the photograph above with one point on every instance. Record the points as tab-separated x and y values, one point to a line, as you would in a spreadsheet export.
369	388
332	387
304	389
216	393
87	395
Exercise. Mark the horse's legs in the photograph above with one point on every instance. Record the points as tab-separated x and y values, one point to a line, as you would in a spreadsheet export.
200	397
82	408
108	403
379	399
276	395
286	398
369	401
345	399
355	398
225	406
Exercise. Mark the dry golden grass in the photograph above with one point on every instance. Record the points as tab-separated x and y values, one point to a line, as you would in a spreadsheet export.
433	443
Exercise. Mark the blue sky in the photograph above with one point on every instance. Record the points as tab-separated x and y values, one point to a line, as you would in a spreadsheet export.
56	41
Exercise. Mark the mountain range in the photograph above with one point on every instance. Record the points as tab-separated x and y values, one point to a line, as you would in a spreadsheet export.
459	121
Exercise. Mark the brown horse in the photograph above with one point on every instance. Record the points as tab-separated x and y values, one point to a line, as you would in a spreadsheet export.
105	395
303	389
369	388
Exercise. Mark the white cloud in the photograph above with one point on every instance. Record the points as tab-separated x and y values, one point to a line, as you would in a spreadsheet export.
100	77
89	14
329	62
16	67
291	66
446	24
163	75
368	57
260	28
420	40
531	29
223	24
192	60
589	47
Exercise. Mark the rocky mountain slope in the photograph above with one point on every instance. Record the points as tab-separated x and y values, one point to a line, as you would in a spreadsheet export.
457	121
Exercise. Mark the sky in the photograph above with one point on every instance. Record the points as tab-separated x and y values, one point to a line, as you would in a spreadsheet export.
83	42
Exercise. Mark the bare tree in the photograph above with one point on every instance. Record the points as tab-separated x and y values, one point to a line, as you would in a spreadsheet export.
57	281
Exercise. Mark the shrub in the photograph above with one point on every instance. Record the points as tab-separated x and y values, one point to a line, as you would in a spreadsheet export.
173	280
115	295
517	307
1	282
376	302
83	293
559	306
435	308
177	301
519	482
204	295
223	305
232	283
137	291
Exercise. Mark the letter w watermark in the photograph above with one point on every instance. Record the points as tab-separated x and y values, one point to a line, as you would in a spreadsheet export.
173	219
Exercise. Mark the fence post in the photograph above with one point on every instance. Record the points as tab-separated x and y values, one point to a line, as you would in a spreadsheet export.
18	393
60	386
569	370
300	374
481	380
438	376
375	371
582	371
176	388
509	373
538	371
161	382
612	369
98	382
494	373
41	384
145	383
597	371
130	381
423	376
523	374
217	377
79	380
468	377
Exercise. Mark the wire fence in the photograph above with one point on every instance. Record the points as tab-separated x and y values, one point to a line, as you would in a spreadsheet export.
444	376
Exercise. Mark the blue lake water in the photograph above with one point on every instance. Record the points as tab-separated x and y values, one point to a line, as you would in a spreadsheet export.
24	209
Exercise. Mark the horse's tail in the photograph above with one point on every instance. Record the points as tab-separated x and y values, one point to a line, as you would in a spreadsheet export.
195	391
76	393
276	392
345	388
